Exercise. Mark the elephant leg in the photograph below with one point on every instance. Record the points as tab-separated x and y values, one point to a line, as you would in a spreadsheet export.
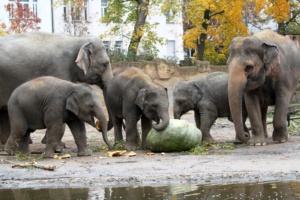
117	129
197	118
77	128
54	133
280	133
146	127
23	146
18	133
61	145
264	112
207	120
131	133
255	116
4	128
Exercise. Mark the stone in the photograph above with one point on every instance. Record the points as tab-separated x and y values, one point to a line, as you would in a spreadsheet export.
180	135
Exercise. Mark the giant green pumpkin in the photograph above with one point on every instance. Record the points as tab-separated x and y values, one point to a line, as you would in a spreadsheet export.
180	135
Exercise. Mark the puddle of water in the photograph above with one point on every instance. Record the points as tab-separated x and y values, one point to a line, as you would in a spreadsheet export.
271	190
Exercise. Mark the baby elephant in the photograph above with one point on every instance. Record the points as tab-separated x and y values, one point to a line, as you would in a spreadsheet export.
132	95
48	102
208	97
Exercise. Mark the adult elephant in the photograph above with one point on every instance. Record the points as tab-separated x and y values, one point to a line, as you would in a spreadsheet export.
27	56
133	95
207	96
265	68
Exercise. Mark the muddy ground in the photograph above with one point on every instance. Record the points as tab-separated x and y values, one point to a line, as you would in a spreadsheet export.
244	163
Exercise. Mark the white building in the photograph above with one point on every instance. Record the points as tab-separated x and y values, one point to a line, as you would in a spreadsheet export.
53	20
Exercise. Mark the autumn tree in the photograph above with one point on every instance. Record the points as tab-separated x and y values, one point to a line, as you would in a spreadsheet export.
123	14
213	23
2	29
22	18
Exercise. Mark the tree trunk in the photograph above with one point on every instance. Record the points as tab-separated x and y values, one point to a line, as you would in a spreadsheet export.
203	35
138	31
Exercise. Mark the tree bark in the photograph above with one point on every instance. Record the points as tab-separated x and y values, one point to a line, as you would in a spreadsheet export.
203	35
142	12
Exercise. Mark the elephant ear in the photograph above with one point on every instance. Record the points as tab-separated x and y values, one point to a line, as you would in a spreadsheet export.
72	104
196	93
271	55
83	58
140	99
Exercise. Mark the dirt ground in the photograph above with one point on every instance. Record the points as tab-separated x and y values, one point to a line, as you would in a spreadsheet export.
273	162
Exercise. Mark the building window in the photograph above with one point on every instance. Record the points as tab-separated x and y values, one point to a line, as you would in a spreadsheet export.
76	13
118	46
171	49
103	7
26	4
170	17
189	53
107	45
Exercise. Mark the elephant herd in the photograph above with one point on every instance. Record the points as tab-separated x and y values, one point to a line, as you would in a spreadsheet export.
45	83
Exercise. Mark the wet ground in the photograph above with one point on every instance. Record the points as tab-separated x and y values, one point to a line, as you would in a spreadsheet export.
242	164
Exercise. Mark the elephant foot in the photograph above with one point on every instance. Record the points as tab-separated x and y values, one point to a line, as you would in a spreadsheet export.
130	146
260	144
48	154
280	135
258	140
10	152
237	141
86	152
60	147
207	138
280	139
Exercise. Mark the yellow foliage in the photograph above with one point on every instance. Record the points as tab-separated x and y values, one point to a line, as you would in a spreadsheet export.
278	9
226	20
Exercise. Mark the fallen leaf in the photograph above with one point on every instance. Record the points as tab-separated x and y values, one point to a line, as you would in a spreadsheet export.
62	157
150	153
115	153
130	154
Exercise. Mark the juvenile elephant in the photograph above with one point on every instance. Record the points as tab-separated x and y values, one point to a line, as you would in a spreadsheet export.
208	96
27	56
265	68
48	102
132	95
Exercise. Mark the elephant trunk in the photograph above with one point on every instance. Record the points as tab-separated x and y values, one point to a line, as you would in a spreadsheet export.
164	122
177	115
103	124
236	85
110	123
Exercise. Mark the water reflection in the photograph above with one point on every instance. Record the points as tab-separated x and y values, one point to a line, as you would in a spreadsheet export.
273	190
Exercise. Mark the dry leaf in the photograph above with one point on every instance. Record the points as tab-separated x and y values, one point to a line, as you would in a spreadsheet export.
115	153
150	153
130	154
62	157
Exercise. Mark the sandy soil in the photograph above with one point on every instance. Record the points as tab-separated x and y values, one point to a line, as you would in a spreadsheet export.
273	162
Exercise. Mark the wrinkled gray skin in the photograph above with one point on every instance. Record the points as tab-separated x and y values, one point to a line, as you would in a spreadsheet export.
27	56
207	96
265	68
48	102
132	95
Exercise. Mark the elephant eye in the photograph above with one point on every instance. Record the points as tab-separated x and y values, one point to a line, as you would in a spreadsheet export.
249	68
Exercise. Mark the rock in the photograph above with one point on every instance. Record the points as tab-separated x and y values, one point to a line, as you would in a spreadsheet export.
180	135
